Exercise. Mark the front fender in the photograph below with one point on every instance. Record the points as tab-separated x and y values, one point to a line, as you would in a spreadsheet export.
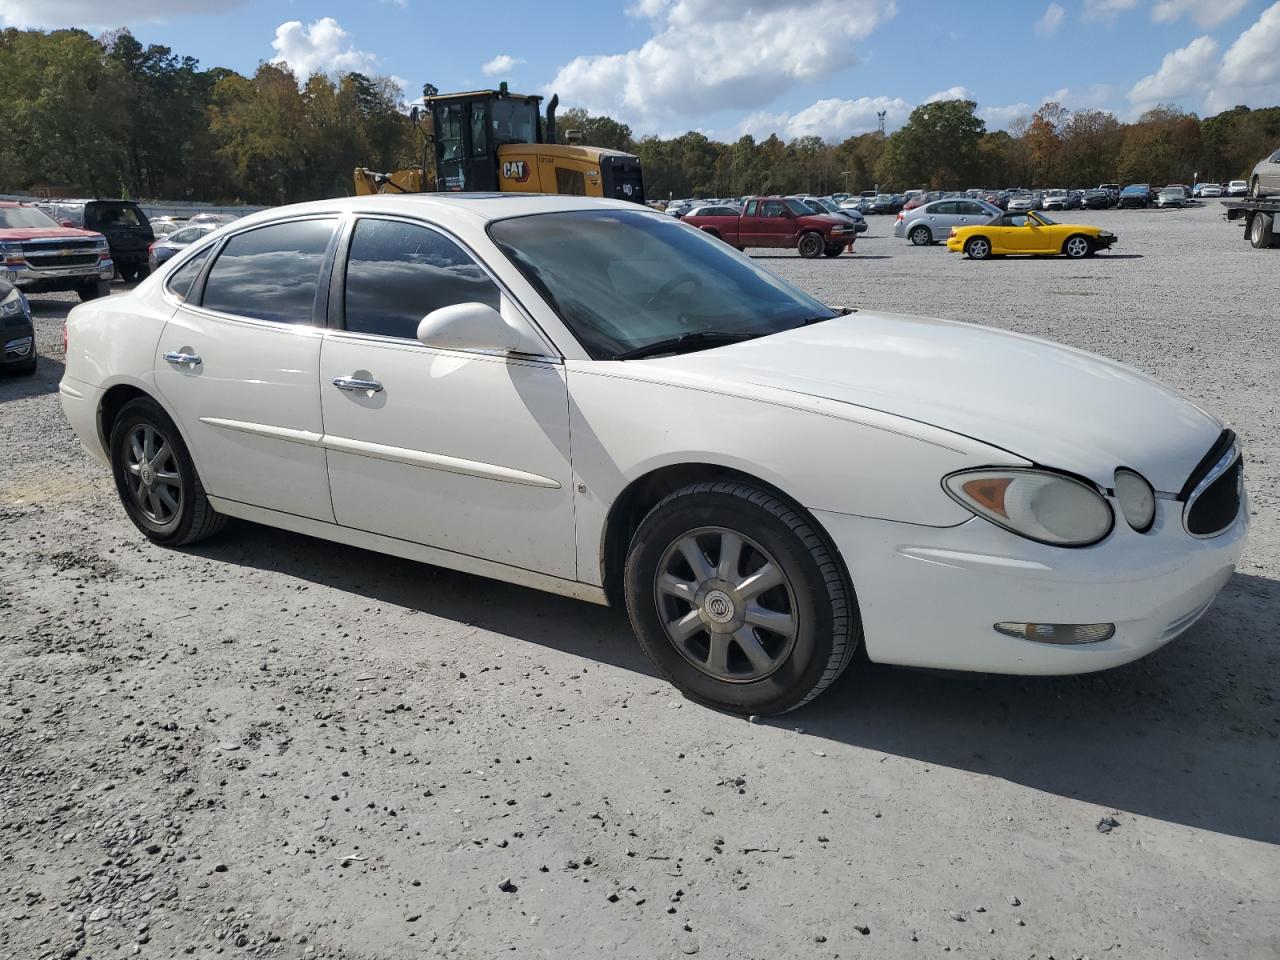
824	455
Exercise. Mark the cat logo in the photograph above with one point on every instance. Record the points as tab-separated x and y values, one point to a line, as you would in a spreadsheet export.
516	170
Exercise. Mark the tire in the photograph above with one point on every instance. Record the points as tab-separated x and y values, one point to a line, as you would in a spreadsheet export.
177	520
1255	189
94	289
920	236
833	250
977	248
1077	246
811	246
809	601
1261	231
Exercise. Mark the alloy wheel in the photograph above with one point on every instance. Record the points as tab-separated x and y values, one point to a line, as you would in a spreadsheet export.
1077	247
152	474
978	249
726	604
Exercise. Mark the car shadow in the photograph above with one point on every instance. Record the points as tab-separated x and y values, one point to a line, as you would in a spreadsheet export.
1187	735
43	381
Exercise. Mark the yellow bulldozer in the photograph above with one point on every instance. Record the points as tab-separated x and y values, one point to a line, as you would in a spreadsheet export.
493	140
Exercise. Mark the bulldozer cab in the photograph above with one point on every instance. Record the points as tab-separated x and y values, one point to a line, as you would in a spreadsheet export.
469	129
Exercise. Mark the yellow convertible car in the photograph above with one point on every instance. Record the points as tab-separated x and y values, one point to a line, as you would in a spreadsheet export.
1028	233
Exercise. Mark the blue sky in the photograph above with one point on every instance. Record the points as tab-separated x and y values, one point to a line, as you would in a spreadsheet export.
725	67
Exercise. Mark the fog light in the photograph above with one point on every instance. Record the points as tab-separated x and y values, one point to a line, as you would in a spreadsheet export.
1058	632
18	348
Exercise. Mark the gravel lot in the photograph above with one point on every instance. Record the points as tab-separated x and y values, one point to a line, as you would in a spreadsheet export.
269	746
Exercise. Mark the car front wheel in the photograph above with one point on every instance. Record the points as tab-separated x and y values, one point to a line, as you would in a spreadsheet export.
1077	247
811	246
156	478
738	600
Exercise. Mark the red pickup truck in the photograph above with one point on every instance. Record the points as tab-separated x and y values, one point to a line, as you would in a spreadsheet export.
39	255
780	222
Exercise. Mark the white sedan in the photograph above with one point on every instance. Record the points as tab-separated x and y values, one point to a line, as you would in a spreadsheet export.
592	398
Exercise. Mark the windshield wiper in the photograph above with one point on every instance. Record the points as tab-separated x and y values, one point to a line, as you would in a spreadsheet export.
684	343
840	312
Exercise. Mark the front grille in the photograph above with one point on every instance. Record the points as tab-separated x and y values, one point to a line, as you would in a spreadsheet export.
1214	491
59	243
44	261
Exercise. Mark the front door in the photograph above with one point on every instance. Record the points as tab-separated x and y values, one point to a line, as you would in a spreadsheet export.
467	452
239	364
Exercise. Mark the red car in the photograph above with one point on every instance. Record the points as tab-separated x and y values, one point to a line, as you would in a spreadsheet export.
779	222
39	255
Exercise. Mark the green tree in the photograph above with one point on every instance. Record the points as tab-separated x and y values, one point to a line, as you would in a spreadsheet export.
936	148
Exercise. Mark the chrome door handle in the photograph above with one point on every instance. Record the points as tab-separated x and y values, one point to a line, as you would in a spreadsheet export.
351	383
190	358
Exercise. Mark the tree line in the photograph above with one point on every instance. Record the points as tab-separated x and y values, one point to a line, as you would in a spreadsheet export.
110	117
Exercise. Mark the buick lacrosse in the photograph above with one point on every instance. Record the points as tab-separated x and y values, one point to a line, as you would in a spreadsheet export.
590	398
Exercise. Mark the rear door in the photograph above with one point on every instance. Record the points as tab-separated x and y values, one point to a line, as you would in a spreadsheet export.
239	364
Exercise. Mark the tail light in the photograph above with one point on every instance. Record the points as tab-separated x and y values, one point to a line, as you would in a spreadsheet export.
953	231
64	338
901	216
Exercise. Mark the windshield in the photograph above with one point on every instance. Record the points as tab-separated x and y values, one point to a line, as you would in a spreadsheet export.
1043	219
621	280
514	121
25	218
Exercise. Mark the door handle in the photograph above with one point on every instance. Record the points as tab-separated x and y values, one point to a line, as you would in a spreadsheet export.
191	358
355	385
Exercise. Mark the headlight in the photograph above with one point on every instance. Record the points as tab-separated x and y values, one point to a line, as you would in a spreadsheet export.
13	304
1035	504
100	243
1136	498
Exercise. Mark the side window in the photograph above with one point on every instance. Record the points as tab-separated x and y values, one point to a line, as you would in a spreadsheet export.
180	283
397	273
771	208
570	183
449	135
751	207
479	131
971	209
947	208
270	273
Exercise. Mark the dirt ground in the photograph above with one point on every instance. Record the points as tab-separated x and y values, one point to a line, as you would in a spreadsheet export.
271	746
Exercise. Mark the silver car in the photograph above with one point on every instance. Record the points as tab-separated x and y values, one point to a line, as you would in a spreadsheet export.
932	222
1022	202
1265	180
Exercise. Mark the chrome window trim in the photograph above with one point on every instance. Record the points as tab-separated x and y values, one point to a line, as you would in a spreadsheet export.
216	244
1225	463
344	250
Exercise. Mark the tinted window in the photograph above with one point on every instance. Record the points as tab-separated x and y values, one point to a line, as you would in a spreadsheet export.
182	278
270	273
187	235
109	215
944	209
771	208
397	273
973	209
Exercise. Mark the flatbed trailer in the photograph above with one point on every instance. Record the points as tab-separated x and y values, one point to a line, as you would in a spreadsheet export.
1259	218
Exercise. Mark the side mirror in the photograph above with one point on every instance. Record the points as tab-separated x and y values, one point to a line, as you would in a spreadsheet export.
469	326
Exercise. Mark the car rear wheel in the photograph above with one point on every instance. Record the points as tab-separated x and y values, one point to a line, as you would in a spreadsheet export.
738	600
978	248
1077	247
811	246
921	236
1255	189
156	478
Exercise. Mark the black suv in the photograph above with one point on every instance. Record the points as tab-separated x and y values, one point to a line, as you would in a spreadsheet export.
17	334
122	222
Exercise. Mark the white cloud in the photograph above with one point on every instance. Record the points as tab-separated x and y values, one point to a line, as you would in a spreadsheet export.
831	119
1106	10
1250	70
322	47
502	63
1207	13
999	118
92	13
951	93
1182	72
710	55
1051	20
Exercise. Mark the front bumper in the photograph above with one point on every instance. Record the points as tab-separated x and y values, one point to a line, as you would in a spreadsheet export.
17	340
35	280
929	596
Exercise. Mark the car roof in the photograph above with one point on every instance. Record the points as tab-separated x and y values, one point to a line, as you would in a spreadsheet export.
481	207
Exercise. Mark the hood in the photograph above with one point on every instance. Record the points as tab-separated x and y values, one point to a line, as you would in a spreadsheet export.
826	219
18	234
1053	405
